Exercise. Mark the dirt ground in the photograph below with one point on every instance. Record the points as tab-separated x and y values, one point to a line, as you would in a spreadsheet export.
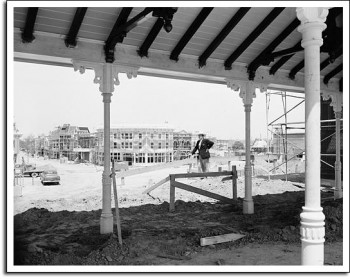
59	224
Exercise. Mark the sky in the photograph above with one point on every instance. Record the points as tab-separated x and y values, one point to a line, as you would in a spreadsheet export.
48	96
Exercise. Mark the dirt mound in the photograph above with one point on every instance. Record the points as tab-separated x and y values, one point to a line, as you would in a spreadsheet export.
151	231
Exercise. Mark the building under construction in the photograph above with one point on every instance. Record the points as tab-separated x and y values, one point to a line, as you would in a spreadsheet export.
72	142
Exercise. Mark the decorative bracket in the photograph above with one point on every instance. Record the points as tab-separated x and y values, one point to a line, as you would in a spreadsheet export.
246	89
106	74
337	100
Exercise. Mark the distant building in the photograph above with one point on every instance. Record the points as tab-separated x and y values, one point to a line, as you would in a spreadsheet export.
290	144
182	145
138	145
259	146
73	142
41	146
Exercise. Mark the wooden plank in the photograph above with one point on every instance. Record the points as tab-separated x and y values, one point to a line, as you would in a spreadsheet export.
220	238
206	174
172	194
156	185
156	167
201	192
117	216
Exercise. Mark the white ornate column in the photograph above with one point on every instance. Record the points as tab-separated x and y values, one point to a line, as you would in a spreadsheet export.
247	93
106	74
312	218
337	104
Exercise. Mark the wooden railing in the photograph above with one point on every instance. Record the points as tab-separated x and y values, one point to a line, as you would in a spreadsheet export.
175	184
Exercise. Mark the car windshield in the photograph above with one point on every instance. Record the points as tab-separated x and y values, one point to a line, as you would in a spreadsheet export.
51	172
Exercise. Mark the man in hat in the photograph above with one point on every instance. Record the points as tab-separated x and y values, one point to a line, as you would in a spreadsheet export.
203	145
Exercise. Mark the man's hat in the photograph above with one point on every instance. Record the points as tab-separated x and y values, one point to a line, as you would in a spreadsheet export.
201	134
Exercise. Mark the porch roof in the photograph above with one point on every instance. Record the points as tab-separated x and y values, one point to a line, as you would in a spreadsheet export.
207	44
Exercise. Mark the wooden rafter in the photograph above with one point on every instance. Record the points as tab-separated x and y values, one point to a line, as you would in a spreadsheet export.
331	59
265	57
282	61
71	39
203	14
331	74
222	35
252	36
296	69
143	50
27	34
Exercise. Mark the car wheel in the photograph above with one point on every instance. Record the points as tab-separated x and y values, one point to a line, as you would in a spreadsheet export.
34	174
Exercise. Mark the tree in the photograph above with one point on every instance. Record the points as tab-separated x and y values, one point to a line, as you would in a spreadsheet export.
237	145
28	143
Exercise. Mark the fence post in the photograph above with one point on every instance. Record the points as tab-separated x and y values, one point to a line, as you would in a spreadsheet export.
219	169
234	183
122	179
189	168
228	165
172	194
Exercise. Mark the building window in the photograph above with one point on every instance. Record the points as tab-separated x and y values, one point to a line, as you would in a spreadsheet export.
140	136
160	136
122	145
115	136
126	136
167	136
160	145
140	145
151	136
152	145
115	145
130	136
150	158
167	145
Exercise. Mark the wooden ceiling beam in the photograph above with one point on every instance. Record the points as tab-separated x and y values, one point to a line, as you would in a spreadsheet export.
27	34
332	73
296	69
266	57
203	14
71	38
143	50
222	35
122	18
282	61
331	59
252	36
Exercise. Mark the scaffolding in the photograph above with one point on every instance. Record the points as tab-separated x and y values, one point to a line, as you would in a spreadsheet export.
280	130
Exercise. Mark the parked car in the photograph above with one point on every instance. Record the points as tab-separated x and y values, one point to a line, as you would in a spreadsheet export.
49	176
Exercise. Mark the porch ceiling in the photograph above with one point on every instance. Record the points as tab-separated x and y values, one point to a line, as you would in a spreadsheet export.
205	44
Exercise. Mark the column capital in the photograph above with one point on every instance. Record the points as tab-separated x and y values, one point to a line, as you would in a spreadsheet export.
246	89
106	74
312	14
312	24
337	100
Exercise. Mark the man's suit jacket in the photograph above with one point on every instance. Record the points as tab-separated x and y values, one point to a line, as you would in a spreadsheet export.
203	149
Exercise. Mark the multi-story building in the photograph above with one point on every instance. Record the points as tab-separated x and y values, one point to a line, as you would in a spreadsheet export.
72	142
183	144
138	145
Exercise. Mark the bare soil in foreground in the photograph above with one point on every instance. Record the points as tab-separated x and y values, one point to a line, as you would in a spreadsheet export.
59	224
